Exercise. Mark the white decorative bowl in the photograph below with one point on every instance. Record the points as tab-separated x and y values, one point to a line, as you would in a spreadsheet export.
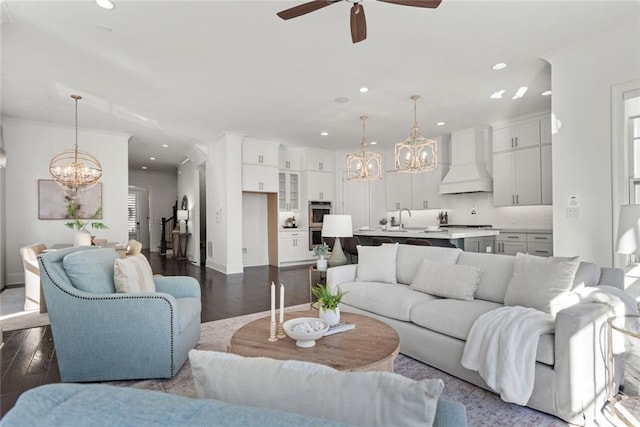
305	330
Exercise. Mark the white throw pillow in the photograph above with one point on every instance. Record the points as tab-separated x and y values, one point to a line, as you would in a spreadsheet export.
446	280
357	398
377	263
541	283
133	275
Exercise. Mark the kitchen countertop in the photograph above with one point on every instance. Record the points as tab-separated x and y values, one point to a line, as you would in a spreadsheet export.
526	230
451	233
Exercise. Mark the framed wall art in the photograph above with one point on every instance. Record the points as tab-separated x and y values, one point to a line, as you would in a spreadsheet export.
53	201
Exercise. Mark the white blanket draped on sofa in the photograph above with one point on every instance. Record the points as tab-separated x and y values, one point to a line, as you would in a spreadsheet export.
502	346
502	343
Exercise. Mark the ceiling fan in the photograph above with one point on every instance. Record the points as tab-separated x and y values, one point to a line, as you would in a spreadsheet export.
358	22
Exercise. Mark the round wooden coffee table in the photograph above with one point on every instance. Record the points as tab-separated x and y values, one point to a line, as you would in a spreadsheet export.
371	346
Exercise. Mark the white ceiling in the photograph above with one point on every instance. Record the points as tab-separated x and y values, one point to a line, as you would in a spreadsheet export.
180	72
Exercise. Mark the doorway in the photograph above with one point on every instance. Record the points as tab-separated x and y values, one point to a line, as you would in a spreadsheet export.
138	215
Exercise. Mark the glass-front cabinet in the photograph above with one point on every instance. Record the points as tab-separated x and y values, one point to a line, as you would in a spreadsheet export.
289	191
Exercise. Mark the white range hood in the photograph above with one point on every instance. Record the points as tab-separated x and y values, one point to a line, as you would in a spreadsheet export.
468	171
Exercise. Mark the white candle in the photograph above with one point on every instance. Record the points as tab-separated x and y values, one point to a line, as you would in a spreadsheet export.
273	302
281	302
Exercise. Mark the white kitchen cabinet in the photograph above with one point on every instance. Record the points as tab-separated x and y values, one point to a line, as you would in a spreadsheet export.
320	160
320	186
511	243
398	186
289	160
517	177
293	246
260	179
289	191
545	130
521	135
259	153
546	174
425	188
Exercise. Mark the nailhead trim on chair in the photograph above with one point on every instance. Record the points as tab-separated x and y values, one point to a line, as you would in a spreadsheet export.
173	367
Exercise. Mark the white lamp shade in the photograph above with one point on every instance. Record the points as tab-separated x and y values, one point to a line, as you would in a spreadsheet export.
337	226
183	214
628	241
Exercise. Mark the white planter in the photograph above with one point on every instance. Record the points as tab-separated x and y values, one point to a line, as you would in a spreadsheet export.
321	264
330	316
81	238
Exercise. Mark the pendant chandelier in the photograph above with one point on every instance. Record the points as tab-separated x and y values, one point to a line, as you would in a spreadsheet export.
364	165
416	153
75	169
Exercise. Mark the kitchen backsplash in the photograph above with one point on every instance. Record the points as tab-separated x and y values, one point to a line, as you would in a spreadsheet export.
460	207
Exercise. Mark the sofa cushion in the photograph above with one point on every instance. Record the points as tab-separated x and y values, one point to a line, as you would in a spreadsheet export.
588	274
91	270
377	263
269	383
450	316
410	256
448	281
541	283
496	272
394	301
546	349
133	275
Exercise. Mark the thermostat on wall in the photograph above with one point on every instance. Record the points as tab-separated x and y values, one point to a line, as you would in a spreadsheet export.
573	202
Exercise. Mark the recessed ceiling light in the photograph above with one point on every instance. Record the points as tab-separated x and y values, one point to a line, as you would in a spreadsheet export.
152	158
520	92
144	167
497	95
364	89
499	66
373	142
165	145
324	133
546	93
105	4
341	100
440	124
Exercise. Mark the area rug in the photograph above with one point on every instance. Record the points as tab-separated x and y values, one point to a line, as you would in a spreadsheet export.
483	408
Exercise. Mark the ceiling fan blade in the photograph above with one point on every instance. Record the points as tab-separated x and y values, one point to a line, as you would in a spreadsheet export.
305	8
432	4
358	23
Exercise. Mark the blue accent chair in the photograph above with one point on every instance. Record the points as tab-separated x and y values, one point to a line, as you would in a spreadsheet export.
101	335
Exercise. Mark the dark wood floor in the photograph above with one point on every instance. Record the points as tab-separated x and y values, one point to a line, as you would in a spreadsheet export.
28	358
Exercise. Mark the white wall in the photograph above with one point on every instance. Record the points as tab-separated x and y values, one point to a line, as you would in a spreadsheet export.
3	239
162	196
255	237
189	185
582	78
224	204
30	146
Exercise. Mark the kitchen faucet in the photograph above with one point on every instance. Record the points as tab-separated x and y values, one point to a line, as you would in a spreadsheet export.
403	209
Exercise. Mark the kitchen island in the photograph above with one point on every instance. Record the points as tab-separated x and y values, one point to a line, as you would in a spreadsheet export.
467	239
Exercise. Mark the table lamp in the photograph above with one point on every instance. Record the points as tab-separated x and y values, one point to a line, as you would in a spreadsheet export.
628	242
183	216
337	226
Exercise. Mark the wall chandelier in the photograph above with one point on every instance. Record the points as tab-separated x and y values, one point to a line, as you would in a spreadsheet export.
364	165
416	153
75	169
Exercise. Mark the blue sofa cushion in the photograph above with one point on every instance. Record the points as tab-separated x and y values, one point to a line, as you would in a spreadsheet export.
83	405
91	270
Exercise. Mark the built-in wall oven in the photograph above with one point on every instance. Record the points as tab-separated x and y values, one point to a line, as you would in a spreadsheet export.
317	211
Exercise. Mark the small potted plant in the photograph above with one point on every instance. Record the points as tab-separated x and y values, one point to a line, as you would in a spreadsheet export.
328	303
320	251
383	223
82	236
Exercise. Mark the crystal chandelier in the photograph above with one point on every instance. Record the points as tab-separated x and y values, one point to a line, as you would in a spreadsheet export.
416	153
75	169
364	165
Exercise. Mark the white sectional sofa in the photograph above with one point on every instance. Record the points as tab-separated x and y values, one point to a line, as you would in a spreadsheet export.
570	371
